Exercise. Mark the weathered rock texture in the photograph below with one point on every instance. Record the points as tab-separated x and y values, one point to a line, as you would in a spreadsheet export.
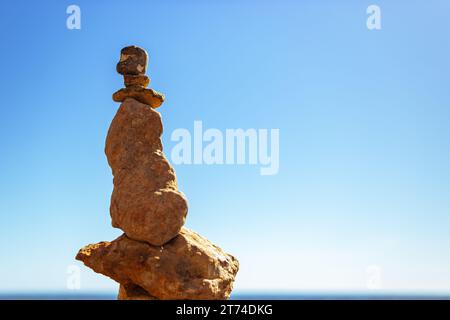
187	267
133	61
156	257
145	203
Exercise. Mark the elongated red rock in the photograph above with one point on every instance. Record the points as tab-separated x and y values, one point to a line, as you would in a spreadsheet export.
145	202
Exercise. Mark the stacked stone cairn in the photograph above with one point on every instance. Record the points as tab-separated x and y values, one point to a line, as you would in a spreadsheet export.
156	257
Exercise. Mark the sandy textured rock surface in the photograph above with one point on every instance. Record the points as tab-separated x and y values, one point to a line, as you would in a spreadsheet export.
145	202
187	267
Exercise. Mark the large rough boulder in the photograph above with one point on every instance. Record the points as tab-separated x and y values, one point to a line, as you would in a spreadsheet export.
187	267
145	202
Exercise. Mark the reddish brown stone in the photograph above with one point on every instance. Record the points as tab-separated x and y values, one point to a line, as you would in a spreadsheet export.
145	203
187	267
133	60
139	81
149	97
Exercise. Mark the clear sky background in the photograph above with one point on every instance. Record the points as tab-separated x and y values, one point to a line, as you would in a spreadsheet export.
364	175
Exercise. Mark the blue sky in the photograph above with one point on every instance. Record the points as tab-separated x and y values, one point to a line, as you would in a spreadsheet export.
363	115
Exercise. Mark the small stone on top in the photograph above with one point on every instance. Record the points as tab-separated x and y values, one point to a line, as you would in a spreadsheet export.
133	61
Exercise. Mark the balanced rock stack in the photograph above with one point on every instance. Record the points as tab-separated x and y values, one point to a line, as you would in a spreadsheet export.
156	257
